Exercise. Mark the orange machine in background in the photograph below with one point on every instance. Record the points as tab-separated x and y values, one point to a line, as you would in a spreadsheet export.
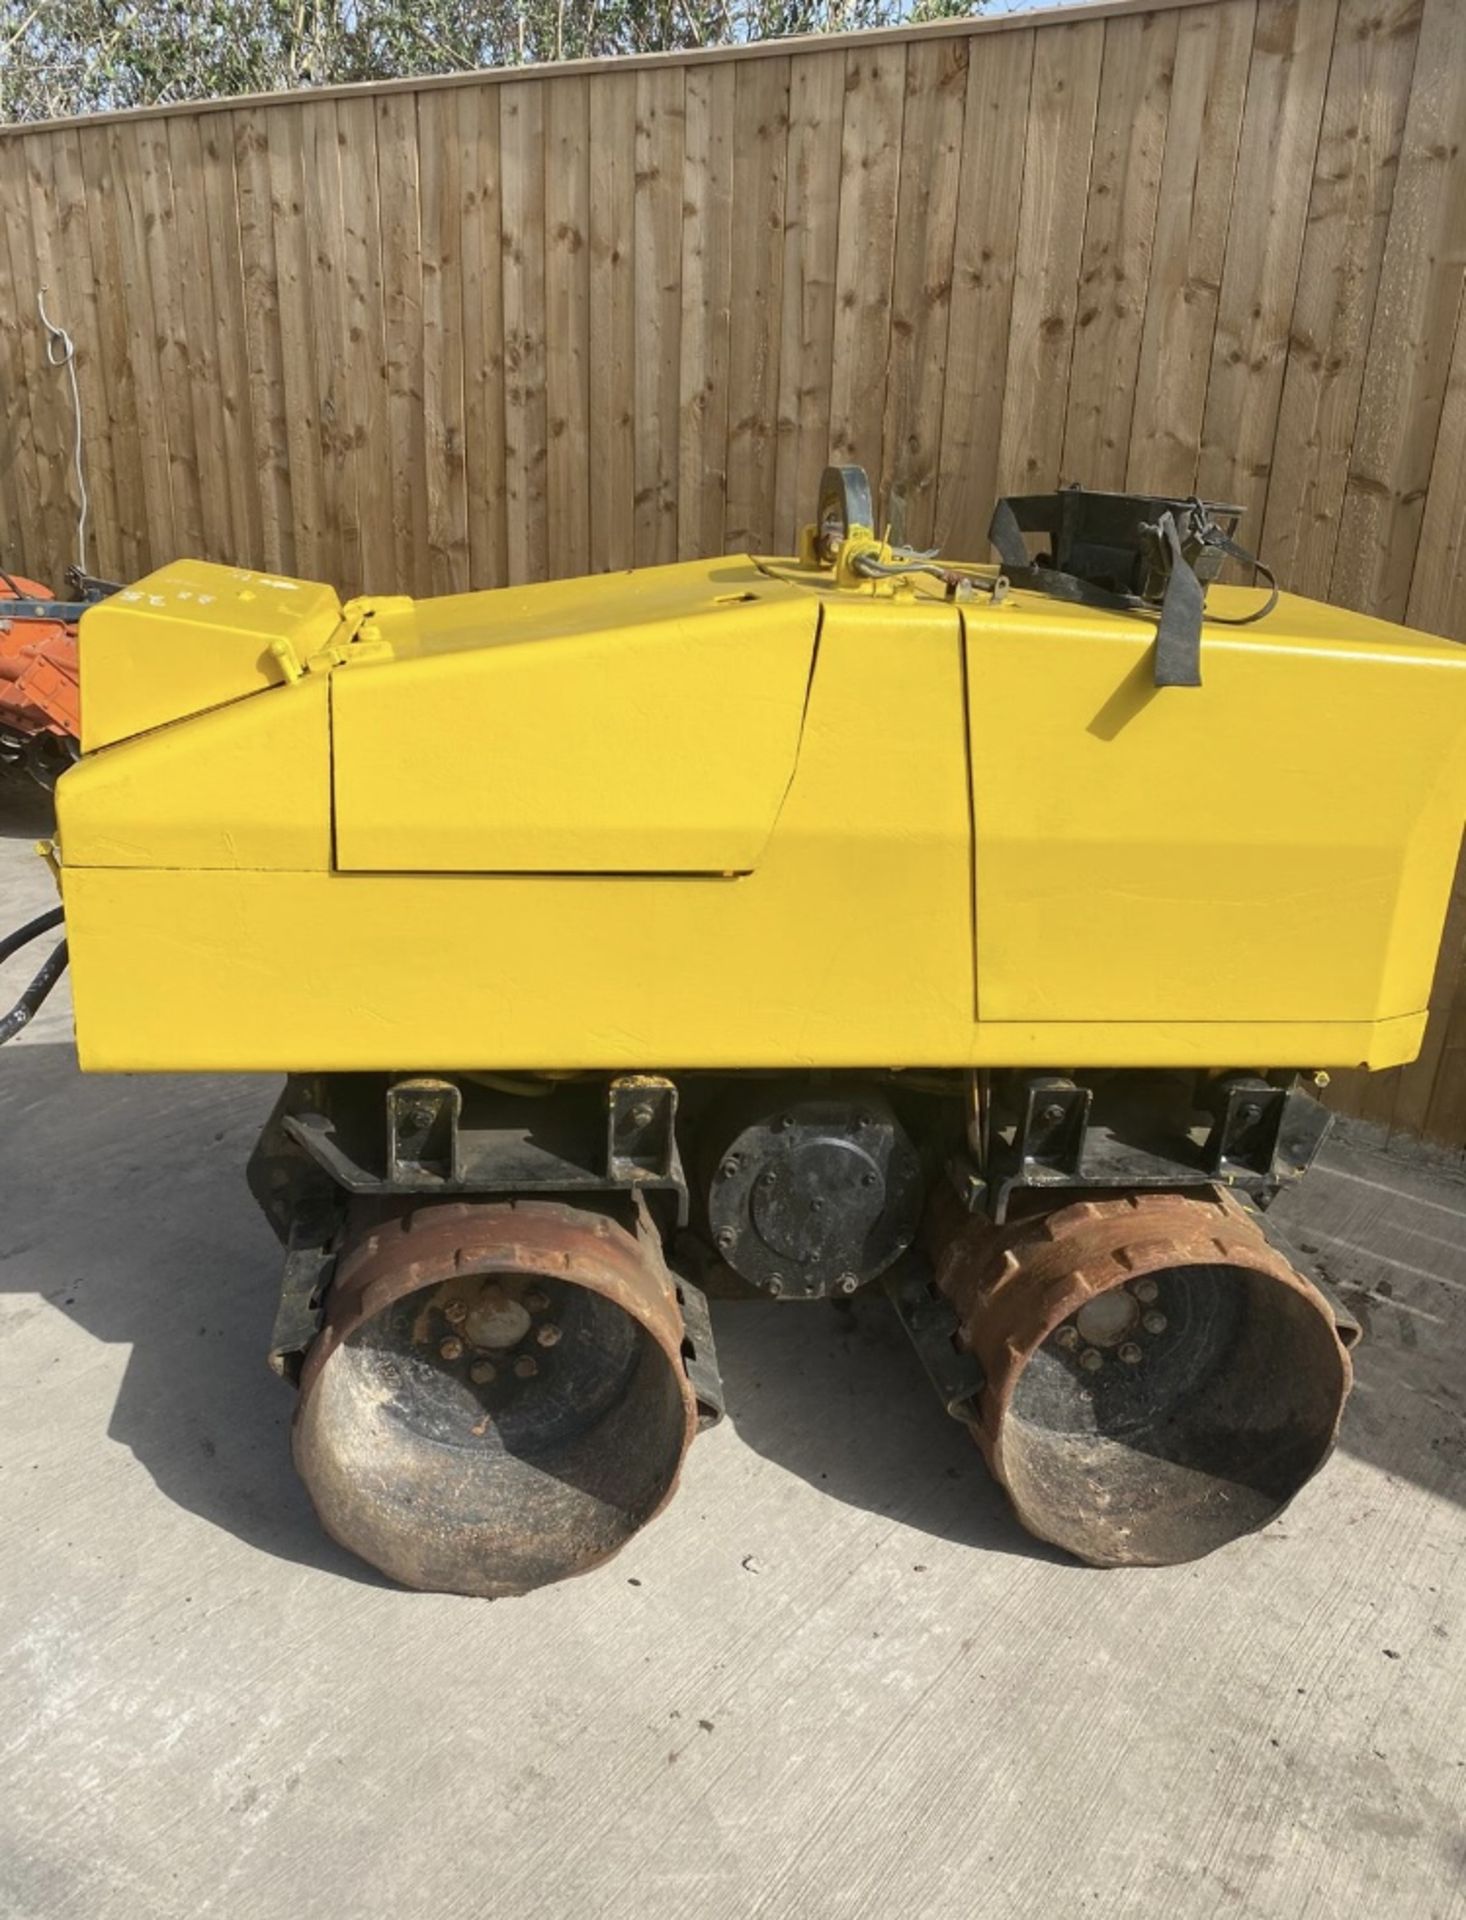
40	700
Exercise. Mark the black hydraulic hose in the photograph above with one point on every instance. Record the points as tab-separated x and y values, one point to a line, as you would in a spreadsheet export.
25	1008
32	930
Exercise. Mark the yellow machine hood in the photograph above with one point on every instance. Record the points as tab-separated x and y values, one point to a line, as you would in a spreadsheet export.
743	813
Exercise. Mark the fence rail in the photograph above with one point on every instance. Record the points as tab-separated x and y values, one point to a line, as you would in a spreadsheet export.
458	333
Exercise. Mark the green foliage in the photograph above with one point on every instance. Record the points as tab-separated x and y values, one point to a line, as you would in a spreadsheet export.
63	57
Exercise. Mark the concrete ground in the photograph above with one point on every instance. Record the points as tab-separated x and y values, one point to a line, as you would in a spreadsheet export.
834	1679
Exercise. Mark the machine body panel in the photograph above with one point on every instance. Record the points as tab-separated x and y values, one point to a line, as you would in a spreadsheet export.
916	833
651	726
244	786
1212	853
215	972
191	636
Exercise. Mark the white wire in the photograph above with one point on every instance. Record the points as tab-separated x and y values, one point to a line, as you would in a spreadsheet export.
61	352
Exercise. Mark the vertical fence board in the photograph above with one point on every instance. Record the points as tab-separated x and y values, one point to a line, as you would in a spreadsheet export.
197	340
1062	105
296	295
921	284
760	158
707	310
1124	189
482	320
1438	588
138	294
1415	1086
612	297
441	194
870	154
567	316
984	262
202	158
400	215
1430	1097
220	195
1445	1117
23	533
326	255
807	287
522	211
41	402
262	333
367	536
1338	279
163	251
81	313
1193	219
1280	129
1414	321
123	444
658	354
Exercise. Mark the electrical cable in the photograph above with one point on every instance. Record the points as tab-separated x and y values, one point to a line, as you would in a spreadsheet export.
61	352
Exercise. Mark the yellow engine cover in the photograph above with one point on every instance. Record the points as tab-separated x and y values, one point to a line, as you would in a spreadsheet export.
734	814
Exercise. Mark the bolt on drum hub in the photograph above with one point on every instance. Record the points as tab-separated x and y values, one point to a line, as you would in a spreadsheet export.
1158	1378
496	1399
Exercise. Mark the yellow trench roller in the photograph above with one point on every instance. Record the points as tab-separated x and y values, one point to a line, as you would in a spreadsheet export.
712	927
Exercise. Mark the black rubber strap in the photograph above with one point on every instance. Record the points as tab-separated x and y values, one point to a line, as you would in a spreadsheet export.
1178	632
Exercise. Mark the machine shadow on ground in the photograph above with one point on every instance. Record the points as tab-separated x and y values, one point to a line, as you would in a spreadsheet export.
126	1209
836	1395
28	812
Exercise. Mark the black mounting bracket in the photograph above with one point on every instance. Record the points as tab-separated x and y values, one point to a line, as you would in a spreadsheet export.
1057	1132
423	1134
699	1355
931	1325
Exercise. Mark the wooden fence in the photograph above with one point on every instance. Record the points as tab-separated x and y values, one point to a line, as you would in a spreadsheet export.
460	332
